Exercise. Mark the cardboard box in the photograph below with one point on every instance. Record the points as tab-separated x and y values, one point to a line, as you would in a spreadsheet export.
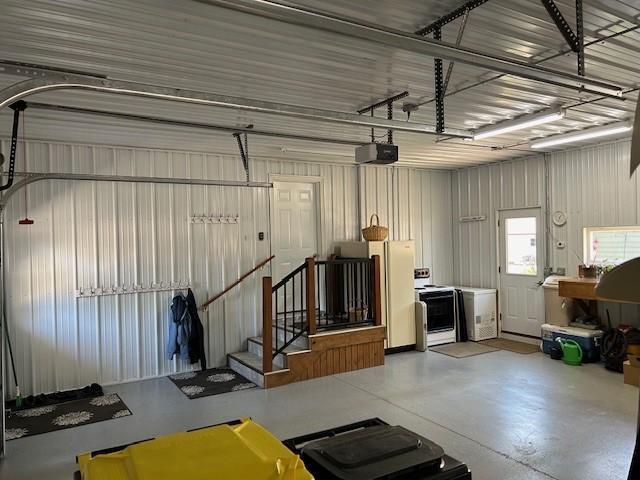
631	373
634	360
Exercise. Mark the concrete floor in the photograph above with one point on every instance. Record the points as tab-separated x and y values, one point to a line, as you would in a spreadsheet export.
508	416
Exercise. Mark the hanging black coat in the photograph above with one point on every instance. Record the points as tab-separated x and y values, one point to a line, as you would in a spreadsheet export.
196	339
186	333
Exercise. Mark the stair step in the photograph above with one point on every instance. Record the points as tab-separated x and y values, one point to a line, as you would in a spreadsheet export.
249	365
302	341
255	346
293	348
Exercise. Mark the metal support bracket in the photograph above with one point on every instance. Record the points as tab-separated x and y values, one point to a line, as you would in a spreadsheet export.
17	107
243	152
389	103
574	40
437	73
450	17
463	25
580	37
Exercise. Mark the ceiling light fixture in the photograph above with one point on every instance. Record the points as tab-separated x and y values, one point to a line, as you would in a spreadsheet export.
597	132
526	121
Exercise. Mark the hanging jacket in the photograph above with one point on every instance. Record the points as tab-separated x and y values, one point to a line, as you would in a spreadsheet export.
196	337
186	333
180	328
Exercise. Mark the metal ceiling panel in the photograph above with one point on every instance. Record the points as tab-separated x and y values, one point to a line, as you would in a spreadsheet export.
187	44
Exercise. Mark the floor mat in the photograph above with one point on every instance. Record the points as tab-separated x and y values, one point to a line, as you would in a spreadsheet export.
511	345
463	349
210	382
48	418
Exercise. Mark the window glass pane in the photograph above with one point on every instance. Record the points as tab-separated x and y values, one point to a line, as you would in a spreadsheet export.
521	246
613	246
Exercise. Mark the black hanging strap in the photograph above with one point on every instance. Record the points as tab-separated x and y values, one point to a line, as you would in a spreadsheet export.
243	153
17	107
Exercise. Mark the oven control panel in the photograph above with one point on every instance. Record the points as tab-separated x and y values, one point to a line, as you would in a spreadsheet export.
421	273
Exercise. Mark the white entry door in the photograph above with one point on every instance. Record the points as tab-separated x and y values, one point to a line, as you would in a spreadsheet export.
295	234
521	269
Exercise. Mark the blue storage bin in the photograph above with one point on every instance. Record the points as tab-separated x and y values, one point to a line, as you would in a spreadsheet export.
589	340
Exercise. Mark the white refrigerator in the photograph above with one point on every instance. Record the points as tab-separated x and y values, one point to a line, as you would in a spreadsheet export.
397	261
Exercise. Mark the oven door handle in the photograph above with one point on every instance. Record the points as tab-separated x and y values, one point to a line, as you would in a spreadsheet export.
439	297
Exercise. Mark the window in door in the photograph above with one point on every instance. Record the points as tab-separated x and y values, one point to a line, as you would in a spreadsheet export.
521	246
611	245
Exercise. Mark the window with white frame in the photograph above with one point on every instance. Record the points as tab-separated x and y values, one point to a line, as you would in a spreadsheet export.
611	245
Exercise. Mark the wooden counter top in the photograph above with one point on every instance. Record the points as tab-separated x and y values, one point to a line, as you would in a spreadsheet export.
578	288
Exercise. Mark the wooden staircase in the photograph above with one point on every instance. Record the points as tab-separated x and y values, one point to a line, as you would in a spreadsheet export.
297	349
329	353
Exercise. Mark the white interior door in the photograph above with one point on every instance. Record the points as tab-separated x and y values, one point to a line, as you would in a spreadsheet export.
295	230
521	267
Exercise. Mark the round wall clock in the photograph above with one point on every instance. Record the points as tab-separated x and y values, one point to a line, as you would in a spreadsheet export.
559	218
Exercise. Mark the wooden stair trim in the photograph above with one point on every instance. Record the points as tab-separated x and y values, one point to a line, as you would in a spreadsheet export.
332	352
343	338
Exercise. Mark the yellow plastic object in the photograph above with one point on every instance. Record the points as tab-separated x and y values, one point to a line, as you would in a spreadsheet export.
242	451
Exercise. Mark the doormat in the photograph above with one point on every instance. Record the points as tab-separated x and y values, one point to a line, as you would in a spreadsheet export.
49	418
463	349
55	398
210	382
511	345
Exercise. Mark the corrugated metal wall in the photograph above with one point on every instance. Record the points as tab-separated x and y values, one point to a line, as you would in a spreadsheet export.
590	184
482	191
415	204
94	234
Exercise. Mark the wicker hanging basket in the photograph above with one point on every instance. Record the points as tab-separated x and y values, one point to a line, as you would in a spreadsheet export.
375	233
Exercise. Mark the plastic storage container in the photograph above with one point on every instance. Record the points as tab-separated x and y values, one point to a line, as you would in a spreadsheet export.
557	310
589	340
224	452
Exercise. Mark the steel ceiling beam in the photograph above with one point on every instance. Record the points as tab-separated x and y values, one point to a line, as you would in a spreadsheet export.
296	15
597	41
50	81
188	124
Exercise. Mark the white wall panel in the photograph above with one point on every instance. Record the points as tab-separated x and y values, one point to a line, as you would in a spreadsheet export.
416	205
106	233
482	191
592	186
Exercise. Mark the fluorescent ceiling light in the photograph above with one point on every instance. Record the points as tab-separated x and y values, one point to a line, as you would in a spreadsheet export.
604	131
525	121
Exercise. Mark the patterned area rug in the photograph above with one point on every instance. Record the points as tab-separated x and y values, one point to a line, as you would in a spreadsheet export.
210	382
48	418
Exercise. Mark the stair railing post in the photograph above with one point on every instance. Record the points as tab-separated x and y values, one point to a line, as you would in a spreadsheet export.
311	295
267	325
377	295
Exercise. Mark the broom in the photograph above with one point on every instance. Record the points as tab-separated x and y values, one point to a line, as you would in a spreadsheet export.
13	366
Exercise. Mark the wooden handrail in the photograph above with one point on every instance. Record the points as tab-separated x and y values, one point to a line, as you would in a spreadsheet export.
237	282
